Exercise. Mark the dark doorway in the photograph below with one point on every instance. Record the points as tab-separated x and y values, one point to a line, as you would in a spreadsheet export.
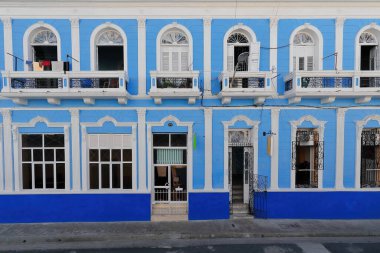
110	58
237	174
367	59
243	66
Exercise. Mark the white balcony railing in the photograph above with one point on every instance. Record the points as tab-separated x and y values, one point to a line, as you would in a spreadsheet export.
174	85
245	84
89	85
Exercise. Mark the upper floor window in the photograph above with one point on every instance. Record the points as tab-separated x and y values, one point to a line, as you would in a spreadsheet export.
304	52
109	50
243	52
43	48
175	51
369	51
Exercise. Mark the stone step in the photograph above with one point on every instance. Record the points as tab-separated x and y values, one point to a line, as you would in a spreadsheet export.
169	209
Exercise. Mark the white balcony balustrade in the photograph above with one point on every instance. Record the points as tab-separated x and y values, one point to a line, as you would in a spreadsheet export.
246	85
174	85
21	86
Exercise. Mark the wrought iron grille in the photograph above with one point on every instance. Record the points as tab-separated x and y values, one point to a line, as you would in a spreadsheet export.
36	83
258	185
370	82
249	82
102	83
370	158
326	82
174	82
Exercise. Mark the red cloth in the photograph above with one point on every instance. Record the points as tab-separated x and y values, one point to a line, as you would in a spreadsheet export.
45	63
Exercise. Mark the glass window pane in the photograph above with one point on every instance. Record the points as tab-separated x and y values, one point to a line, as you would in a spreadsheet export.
178	140
105	176
26	155
54	140
60	155
161	177
116	155
94	176
37	155
94	155
127	155
38	176
27	176
104	155
60	175
161	140
127	176
49	175
31	140
49	154
116	176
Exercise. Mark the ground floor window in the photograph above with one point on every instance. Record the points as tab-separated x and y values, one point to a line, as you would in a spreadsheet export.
307	158
370	158
110	161
170	167
43	161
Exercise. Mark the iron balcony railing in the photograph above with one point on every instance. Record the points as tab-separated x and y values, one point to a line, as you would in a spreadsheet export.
370	82
244	80
179	80
36	83
174	83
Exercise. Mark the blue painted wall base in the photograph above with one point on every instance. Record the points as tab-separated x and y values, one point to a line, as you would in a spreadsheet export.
323	205
209	206
74	208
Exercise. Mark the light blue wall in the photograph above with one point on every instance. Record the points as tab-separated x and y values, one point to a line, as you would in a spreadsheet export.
129	27
285	29
285	142
19	27
50	115
219	29
154	26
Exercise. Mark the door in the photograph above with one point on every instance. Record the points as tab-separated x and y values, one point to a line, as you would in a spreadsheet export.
248	172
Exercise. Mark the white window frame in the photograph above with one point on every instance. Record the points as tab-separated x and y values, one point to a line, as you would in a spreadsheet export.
17	151
85	157
94	48
163	31
28	47
374	29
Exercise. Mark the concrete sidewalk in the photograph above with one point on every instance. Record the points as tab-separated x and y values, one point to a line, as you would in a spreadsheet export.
17	235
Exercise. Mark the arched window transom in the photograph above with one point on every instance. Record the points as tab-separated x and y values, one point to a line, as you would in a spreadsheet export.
237	38
368	38
174	38
44	37
305	51
303	39
109	37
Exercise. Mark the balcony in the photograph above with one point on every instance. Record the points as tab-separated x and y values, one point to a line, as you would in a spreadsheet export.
251	85
54	86
174	85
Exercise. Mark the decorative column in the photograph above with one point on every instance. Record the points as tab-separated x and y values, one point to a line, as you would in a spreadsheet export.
75	145
141	113
339	161
273	52
141	56
339	25
208	149
207	56
75	43
8	60
275	113
8	162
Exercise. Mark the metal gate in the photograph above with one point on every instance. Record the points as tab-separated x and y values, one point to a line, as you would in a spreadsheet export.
258	195
370	158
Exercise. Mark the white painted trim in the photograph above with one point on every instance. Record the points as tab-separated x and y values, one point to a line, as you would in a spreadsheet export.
254	132
373	26
27	37
208	148
339	28
100	123
173	25
94	35
1	160
321	131
360	124
141	47
315	30
275	116
273	53
251	34
141	114
207	56
75	43
339	160
75	146
8	44
8	153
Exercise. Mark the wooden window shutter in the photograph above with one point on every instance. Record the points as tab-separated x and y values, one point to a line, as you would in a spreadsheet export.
254	57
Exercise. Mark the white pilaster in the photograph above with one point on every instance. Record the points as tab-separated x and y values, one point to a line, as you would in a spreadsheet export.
208	148
8	162
141	113
75	43
141	56
8	59
339	24
207	56
273	45
339	161
274	158
75	146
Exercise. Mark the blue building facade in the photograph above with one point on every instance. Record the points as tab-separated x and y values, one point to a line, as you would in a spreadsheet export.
189	111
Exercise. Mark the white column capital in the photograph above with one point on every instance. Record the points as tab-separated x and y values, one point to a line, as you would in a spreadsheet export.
339	21
74	113
341	112
141	111
6	113
7	22
141	22
207	21
74	22
273	21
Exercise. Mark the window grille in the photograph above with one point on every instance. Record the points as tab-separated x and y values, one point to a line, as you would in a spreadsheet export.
370	158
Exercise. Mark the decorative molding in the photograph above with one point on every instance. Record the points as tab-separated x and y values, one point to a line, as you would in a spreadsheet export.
339	21
207	21
74	113
141	22
273	21
74	22
7	22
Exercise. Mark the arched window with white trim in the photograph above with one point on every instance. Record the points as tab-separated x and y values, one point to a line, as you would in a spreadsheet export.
109	50
43	47
174	51
305	52
243	51
369	50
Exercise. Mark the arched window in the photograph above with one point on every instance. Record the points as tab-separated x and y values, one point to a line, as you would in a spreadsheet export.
243	52
369	51
304	52
109	50
174	50
43	47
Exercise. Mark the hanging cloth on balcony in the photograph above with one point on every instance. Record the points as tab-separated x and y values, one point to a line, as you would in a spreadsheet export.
170	156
